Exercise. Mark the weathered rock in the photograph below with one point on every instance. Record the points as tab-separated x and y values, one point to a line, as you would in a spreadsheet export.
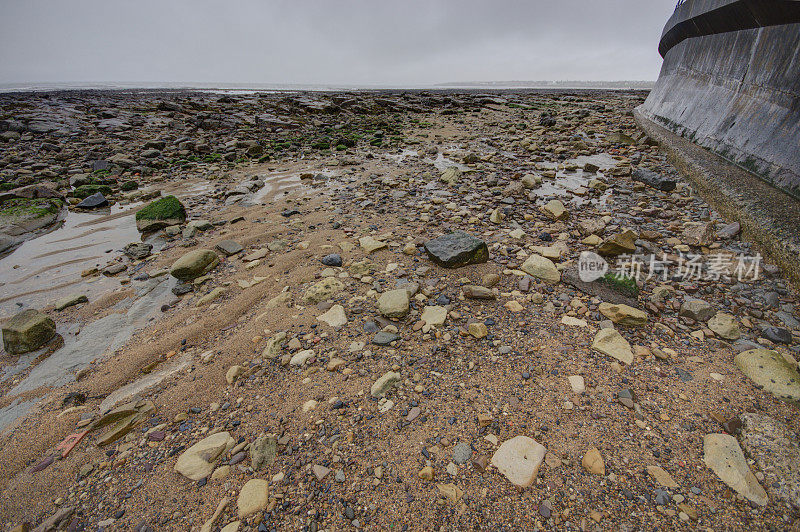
653	179
729	231
771	372
434	316
776	451
384	384
301	357
618	244
384	338
662	477
334	259
451	492
457	249
697	309
623	314
541	268
478	329
462	453
27	331
699	234
197	461
577	383
603	289
518	459
725	326
233	373
274	346
253	497
370	244
593	462
555	210
394	303
194	264
334	317
322	290
722	454
610	342
69	301
478	292
451	175
216	293
122	420
138	250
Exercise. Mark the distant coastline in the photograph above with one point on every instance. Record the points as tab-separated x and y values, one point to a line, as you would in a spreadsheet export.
276	87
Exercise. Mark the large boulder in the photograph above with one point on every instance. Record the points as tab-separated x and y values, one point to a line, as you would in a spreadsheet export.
161	213
457	249
194	264
27	331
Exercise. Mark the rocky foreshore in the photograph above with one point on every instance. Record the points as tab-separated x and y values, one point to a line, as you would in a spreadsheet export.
384	311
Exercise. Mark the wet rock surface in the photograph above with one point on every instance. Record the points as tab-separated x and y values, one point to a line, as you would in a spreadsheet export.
350	363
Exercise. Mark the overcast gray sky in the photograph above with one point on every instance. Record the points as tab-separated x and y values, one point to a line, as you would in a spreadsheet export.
401	42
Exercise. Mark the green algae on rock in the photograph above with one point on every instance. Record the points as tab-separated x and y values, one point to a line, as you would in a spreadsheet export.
161	213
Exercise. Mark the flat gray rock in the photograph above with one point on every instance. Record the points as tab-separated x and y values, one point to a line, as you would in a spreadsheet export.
229	247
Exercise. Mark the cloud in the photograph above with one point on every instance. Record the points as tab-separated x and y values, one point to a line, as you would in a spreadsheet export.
408	42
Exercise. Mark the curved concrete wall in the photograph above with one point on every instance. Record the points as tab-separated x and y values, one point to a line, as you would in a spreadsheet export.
736	92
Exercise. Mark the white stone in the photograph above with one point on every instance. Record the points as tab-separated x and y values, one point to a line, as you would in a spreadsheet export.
518	459
577	383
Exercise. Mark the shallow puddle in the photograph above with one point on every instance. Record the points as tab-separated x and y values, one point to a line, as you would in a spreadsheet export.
566	182
49	267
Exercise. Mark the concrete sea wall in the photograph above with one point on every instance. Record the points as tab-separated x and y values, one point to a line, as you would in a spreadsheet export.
730	82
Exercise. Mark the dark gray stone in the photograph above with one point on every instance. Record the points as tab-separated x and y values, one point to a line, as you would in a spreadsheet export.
457	249
100	165
779	335
729	231
653	179
334	259
94	201
384	338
